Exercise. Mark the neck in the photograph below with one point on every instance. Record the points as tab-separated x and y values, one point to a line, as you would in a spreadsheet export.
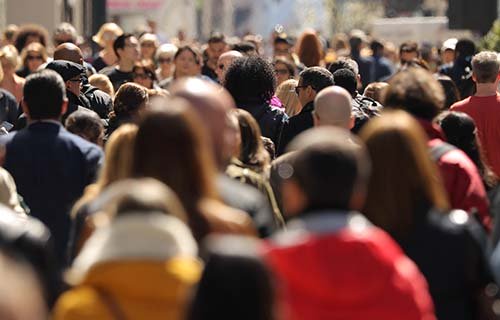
125	66
486	89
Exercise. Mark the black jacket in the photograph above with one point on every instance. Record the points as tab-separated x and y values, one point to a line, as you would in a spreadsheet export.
8	107
296	125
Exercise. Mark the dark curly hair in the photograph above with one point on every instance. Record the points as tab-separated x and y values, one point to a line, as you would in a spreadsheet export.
250	80
28	30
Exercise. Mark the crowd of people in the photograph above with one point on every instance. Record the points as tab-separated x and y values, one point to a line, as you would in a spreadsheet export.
340	179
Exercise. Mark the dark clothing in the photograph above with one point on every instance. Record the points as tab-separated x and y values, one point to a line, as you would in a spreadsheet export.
209	72
23	72
296	125
450	251
383	68
8	107
115	122
366	68
51	168
99	101
363	109
116	76
461	73
271	121
99	63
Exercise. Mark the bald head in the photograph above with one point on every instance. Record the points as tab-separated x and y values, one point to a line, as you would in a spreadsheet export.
212	103
225	60
332	107
70	52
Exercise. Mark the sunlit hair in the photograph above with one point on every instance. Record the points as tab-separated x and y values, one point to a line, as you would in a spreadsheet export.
286	93
405	181
33	47
107	28
309	49
102	82
375	90
11	55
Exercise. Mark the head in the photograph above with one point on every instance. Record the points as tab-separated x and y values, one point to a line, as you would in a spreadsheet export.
400	165
149	44
33	56
417	92
356	40
44	96
9	58
143	73
284	68
286	93
9	34
346	63
68	51
377	48
464	49
216	46
375	90
332	107
224	61
30	33
102	82
130	100
246	48
485	68
329	170
448	50
250	80
107	35
64	33
451	92
70	72
126	48
309	49
188	62
408	51
86	124
165	58
311	81
346	79
281	46
212	104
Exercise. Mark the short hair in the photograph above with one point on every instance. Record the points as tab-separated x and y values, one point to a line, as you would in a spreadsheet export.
317	77
216	37
195	52
485	67
344	63
119	42
376	45
166	49
44	93
346	79
129	98
408	46
282	39
65	28
329	165
245	47
86	124
416	91
464	48
290	66
250	80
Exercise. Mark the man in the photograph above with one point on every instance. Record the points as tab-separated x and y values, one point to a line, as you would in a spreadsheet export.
484	105
216	46
98	100
51	167
383	67
331	263
311	81
448	52
332	107
366	64
126	48
408	51
212	103
461	71
420	94
224	62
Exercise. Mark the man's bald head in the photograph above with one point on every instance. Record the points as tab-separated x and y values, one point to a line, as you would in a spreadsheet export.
70	52
212	103
332	106
225	61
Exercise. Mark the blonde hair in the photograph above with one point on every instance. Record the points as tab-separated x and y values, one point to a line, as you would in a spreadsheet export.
102	82
107	27
34	47
286	93
10	53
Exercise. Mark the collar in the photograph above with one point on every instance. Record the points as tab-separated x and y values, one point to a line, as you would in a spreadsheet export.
45	121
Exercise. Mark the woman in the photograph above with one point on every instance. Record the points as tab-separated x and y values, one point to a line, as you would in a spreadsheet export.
149	43
165	58
32	57
310	49
406	198
286	93
105	38
139	264
144	74
9	58
171	146
102	82
284	69
187	62
30	33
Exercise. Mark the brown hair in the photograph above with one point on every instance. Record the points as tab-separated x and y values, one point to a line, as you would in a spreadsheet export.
33	47
286	93
309	49
129	98
404	178
375	89
148	67
171	146
102	82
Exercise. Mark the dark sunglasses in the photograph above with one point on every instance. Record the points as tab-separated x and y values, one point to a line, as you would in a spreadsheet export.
281	71
298	87
165	60
75	80
34	58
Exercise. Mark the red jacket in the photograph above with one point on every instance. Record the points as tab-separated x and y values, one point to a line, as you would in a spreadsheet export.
349	273
460	177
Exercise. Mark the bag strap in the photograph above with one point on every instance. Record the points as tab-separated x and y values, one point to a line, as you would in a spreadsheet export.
111	304
440	150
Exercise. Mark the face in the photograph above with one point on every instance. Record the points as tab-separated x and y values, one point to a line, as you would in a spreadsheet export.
448	56
282	73
281	49
185	64
215	50
407	56
74	85
131	50
108	38
303	93
222	66
148	49
165	62
142	78
34	60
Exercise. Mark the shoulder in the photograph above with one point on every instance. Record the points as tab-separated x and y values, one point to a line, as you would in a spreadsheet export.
4	94
461	105
82	144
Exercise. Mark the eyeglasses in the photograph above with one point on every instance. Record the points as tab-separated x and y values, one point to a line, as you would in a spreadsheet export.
75	80
282	71
298	87
141	76
165	60
30	57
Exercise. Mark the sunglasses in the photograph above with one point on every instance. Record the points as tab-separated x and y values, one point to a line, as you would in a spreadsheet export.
281	71
298	87
165	60
75	80
141	76
34	58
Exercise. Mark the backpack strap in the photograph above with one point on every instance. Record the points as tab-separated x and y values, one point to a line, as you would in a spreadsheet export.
440	150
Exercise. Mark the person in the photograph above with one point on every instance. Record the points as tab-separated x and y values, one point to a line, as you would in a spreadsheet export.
332	107
216	47
165	58
418	217
448	52
309	49
149	44
9	35
9	58
366	64
102	83
251	83
144	74
8	108
187	62
8	194
311	82
420	94
461	70
30	33
130	101
213	103
284	70
383	68
86	124
482	106
32	57
235	283
286	94
408	51
142	263
224	62
50	166
183	162
375	90
126	48
331	263
450	91
105	38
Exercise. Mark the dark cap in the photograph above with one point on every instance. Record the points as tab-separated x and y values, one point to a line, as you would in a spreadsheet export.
66	69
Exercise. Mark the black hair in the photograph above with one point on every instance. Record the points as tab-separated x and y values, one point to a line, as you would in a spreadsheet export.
316	77
86	124
216	37
344	63
244	47
119	42
450	90
465	48
376	46
346	79
282	39
250	80
44	93
290	66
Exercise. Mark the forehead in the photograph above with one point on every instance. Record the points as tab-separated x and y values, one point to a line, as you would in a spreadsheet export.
131	40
